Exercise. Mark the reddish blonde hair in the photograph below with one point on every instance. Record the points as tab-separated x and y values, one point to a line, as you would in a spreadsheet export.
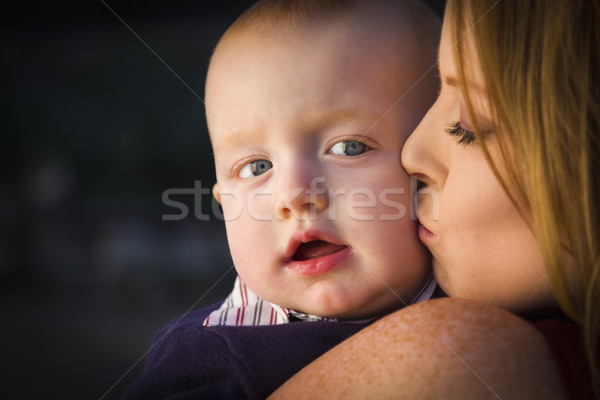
541	65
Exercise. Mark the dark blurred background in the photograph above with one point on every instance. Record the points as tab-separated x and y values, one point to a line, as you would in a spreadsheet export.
95	129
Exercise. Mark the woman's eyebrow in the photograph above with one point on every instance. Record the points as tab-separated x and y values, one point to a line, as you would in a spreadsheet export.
453	81
450	81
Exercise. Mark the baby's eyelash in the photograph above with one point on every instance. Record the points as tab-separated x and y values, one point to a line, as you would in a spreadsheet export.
464	136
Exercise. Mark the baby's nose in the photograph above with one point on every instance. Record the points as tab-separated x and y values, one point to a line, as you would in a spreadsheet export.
301	196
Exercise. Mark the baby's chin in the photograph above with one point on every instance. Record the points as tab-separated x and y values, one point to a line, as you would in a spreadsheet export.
351	311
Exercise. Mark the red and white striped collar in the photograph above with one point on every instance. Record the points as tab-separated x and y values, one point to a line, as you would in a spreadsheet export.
244	308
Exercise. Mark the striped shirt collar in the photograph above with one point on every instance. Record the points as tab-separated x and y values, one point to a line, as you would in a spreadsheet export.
244	308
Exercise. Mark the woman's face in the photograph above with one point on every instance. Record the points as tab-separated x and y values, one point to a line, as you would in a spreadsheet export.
482	248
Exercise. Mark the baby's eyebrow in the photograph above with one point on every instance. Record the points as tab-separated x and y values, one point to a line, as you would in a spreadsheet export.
350	115
361	118
227	141
320	119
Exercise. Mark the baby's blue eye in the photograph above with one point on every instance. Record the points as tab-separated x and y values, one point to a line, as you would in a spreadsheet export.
255	168
348	148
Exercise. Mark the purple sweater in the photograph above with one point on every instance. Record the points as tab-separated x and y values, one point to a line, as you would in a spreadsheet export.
189	361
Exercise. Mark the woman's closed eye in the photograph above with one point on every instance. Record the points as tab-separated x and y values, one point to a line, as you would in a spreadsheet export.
255	168
349	148
463	136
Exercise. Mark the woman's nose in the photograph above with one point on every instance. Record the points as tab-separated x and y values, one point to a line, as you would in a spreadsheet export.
425	153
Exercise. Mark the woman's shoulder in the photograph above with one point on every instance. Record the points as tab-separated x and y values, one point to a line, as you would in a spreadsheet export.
464	346
442	348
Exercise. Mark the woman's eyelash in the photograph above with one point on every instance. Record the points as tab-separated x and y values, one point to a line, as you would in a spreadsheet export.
464	136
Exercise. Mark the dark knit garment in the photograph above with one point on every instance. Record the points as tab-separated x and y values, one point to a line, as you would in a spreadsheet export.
189	361
566	343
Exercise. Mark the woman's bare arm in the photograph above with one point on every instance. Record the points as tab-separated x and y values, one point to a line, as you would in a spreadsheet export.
444	348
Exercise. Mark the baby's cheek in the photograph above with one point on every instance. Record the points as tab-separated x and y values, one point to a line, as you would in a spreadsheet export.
394	205
361	205
245	243
232	205
258	206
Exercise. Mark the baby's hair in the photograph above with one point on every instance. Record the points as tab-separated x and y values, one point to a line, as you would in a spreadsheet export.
281	16
286	14
400	22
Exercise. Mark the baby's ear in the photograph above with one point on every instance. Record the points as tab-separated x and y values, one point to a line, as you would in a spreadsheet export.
215	192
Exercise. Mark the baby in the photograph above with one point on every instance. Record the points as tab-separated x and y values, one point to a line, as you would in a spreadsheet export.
308	105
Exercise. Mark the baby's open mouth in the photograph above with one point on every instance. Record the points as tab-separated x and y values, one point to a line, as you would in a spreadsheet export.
316	249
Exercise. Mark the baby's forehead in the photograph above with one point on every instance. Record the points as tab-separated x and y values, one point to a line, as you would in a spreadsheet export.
383	52
393	51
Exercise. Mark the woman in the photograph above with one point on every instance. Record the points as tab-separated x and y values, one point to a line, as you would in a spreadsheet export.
509	160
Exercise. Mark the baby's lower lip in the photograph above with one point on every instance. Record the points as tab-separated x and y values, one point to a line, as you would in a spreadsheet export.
319	265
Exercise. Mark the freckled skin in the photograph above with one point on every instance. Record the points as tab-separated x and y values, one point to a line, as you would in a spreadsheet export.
440	349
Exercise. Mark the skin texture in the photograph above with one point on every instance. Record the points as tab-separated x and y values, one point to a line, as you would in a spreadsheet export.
483	251
273	105
439	349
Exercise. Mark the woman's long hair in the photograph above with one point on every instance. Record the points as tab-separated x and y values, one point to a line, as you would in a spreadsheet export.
541	67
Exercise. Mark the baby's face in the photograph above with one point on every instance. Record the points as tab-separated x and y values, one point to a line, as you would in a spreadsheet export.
307	153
